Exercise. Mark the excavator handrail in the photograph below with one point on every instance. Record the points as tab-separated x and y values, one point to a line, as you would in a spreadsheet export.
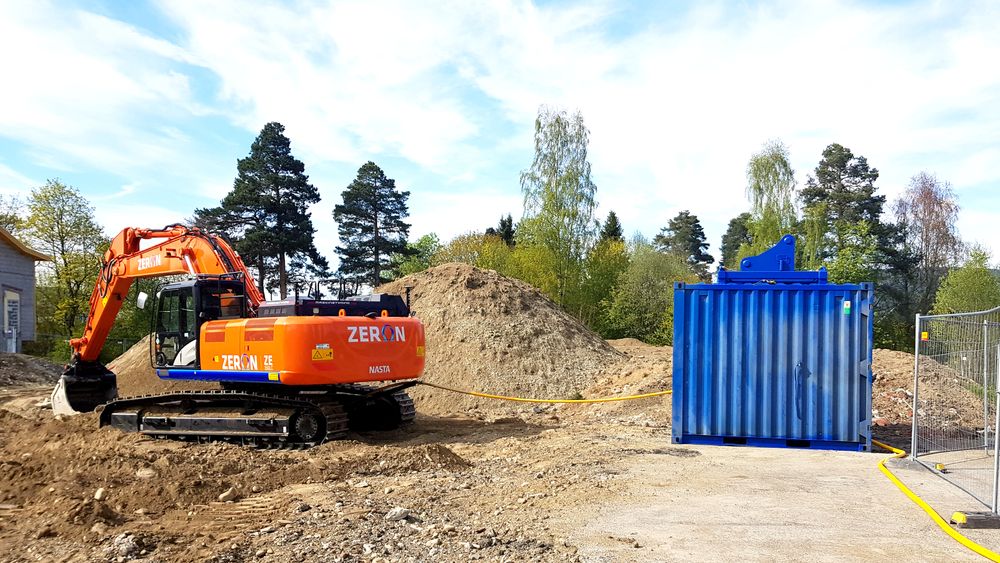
184	250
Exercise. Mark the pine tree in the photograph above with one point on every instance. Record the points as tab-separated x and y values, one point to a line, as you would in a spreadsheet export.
266	214
842	191
371	227
612	229
737	235
505	230
685	237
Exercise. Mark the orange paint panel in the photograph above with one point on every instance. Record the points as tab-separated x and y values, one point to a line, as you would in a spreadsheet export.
257	335
215	336
320	350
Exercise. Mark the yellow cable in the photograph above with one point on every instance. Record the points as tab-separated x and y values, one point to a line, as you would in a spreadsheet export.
941	522
524	400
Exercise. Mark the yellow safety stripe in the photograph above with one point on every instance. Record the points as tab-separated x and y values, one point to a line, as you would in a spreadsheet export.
524	400
941	522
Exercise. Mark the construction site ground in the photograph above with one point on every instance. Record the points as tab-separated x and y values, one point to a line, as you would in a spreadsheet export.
471	479
551	485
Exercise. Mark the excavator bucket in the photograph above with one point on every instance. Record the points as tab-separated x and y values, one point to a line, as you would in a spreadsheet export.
82	388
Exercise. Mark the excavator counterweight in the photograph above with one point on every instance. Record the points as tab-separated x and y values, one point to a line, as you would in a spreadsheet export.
291	372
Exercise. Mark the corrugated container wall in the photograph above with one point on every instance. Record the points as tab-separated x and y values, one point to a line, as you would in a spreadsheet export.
773	357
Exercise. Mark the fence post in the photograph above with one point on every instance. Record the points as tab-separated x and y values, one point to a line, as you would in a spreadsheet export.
996	426
986	394
916	381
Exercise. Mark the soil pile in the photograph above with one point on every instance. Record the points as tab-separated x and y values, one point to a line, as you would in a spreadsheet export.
137	377
947	401
647	369
443	489
21	369
490	333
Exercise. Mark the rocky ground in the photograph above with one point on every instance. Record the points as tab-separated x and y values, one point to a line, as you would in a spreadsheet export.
445	489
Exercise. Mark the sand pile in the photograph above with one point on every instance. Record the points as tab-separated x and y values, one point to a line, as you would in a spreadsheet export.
495	334
946	400
136	376
647	369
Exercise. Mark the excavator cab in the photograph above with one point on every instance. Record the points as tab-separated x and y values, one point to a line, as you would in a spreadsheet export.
183	307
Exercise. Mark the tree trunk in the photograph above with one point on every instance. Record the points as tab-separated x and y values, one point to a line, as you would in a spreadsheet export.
282	276
378	274
260	274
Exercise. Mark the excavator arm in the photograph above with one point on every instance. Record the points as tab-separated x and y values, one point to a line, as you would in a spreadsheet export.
182	250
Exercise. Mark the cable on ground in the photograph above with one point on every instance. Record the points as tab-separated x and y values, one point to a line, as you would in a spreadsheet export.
525	400
941	522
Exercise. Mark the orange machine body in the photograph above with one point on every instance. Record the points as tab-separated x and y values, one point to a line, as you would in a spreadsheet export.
307	350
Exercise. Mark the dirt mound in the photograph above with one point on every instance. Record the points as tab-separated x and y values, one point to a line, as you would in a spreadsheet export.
55	479
137	377
647	369
495	334
21	369
946	400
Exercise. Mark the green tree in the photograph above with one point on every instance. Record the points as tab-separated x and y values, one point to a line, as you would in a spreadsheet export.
737	234
856	261
61	223
559	197
685	237
267	214
973	287
419	259
232	225
605	264
505	230
844	184
478	249
642	304
370	224
11	208
771	190
612	229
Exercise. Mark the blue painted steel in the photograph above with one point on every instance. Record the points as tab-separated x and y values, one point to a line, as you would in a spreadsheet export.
773	364
220	375
774	265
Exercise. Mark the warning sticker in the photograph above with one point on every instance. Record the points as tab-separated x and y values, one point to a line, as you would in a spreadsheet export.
925	336
322	354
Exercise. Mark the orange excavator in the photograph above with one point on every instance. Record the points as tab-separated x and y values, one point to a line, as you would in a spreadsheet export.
294	372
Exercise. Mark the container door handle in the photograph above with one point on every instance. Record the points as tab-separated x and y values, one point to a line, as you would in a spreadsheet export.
800	389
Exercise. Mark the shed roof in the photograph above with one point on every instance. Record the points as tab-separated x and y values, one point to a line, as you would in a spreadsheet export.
20	246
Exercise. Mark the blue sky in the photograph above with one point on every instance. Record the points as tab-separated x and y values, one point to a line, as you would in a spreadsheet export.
146	106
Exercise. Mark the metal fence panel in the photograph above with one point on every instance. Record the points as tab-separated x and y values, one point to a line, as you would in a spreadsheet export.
955	400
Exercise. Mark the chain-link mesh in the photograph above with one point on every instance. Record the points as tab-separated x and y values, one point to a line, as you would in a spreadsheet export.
955	400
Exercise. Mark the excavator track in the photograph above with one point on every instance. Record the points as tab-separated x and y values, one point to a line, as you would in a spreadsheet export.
246	417
299	418
374	408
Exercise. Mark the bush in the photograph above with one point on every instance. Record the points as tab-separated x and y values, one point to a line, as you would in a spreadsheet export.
642	305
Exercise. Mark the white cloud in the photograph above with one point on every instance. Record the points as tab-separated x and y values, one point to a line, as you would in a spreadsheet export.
116	216
676	103
90	91
13	182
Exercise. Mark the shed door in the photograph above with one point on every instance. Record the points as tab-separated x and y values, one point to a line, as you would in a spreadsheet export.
11	319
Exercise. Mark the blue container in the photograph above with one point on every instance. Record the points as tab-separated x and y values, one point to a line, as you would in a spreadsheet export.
768	356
